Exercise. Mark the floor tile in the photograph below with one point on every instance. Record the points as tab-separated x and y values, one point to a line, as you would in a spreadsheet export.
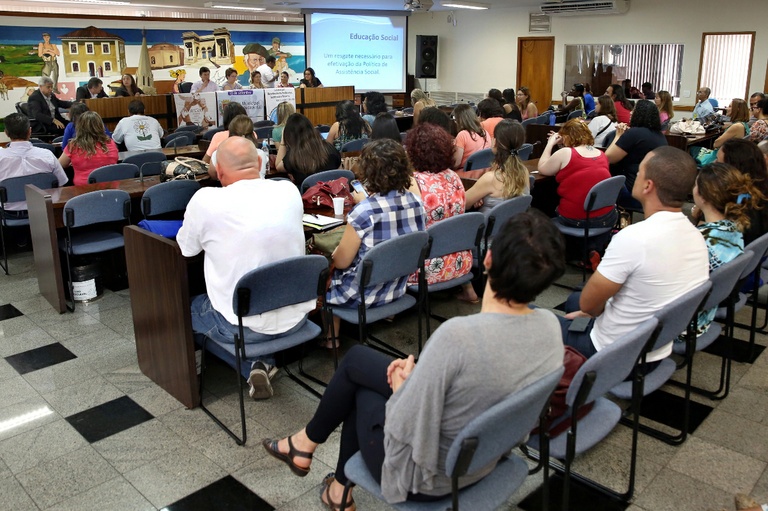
28	336
226	493
154	399
25	415
40	445
139	445
69	475
39	358
108	419
82	396
673	491
96	341
60	376
8	311
267	477
114	494
14	496
6	370
15	390
736	433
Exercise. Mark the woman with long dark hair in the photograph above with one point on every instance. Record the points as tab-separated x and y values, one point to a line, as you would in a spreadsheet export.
527	108
128	87
623	105
349	125
303	151
471	137
605	121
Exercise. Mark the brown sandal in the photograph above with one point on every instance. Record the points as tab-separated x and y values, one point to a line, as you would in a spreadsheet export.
271	448
325	496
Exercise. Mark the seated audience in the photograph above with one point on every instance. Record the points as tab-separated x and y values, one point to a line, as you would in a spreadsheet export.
754	99
749	160
139	132
349	125
433	115
604	122
74	112
220	222
647	91
44	107
620	101
430	152
231	110
633	142
90	149
242	126
385	126
739	128
635	278
310	80
231	83
388	210
490	113
760	126
204	84
577	103
373	105
527	107
93	89
256	82
589	99
284	83
507	177
512	111
577	167
21	158
663	101
284	110
404	416
723	197
303	151
420	101
471	137
703	106
128	88
497	95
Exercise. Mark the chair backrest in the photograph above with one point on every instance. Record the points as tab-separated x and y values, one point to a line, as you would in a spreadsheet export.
179	141
479	160
45	145
354	145
208	135
185	87
264	132
12	189
167	197
457	233
758	247
323	128
58	140
326	175
525	151
675	316
97	207
542	119
608	140
403	136
115	172
502	426
22	108
191	129
287	282
613	363
187	136
725	277
154	158
604	194
263	122
575	114
531	181
391	259
500	213
408	110
530	120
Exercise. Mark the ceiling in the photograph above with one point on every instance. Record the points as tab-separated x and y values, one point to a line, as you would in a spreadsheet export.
276	10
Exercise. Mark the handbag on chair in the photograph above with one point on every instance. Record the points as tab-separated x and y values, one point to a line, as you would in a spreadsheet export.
183	167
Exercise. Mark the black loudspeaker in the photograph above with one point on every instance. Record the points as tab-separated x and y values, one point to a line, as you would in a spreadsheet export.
426	56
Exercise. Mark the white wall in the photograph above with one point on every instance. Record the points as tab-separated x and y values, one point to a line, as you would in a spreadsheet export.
481	51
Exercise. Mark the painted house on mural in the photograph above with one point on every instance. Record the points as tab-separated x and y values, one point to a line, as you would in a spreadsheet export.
164	55
93	52
217	48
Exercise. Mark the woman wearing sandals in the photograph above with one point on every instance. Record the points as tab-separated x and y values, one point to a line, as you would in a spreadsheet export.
403	417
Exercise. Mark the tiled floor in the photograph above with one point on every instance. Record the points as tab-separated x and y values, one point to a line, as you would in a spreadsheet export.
92	432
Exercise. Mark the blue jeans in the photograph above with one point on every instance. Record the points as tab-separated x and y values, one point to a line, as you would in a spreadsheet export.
208	322
581	341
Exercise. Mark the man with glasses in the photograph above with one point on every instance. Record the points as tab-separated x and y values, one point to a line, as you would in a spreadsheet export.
754	99
703	108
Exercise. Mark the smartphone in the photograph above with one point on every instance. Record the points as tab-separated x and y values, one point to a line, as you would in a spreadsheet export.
579	325
358	187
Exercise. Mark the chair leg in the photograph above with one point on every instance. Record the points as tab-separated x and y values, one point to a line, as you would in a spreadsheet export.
2	243
69	283
243	433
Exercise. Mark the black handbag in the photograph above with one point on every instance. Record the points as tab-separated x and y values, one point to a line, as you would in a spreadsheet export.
183	167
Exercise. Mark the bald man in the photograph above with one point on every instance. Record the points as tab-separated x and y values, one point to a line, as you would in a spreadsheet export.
247	223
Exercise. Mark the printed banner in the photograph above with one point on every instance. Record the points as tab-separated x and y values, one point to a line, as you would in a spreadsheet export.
198	109
276	96
251	99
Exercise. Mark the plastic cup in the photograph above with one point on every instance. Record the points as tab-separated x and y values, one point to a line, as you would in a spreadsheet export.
338	206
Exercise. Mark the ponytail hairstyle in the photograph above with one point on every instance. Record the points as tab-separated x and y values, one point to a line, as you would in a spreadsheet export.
730	192
507	167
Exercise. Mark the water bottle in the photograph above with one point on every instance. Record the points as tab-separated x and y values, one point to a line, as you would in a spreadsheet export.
552	119
265	148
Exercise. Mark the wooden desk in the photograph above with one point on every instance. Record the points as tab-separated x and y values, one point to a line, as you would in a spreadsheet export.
685	142
319	104
46	209
404	122
112	110
193	151
159	277
539	133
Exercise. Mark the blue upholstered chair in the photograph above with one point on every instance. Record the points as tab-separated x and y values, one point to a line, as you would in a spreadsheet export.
576	114
326	175
115	172
525	151
481	159
182	138
168	197
148	162
208	135
354	145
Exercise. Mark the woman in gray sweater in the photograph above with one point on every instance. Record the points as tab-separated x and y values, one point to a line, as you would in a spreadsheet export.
403	417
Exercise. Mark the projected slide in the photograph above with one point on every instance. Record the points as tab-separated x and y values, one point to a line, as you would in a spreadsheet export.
365	51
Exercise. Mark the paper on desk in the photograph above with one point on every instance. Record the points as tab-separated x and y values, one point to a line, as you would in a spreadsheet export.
321	221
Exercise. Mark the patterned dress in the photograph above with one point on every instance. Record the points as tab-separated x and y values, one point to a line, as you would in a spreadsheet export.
375	219
443	197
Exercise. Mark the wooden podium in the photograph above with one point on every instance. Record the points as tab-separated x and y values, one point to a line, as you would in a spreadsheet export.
112	110
319	104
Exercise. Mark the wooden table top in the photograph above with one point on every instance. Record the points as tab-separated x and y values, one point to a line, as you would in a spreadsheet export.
134	187
192	151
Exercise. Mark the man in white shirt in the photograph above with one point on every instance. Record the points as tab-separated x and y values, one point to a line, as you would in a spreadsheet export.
704	107
204	84
647	265
21	158
268	76
238	229
139	132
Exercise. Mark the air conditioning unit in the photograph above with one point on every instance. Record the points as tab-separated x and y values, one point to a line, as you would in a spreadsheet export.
585	8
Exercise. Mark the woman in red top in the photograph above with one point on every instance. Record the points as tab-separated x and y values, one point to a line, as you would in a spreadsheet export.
90	149
623	106
577	168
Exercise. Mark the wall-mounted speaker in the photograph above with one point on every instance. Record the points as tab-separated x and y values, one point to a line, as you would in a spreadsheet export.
426	56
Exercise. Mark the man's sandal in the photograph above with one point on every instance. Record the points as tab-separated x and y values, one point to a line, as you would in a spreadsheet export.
271	448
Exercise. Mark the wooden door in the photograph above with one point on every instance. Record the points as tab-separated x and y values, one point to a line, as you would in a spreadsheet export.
534	68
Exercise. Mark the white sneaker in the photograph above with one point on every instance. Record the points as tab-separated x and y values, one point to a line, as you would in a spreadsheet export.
259	380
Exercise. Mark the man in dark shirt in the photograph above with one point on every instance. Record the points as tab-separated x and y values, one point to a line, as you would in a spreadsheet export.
44	107
93	89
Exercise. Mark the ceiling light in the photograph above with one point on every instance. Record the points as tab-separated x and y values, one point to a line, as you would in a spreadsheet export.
234	7
466	5
99	2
